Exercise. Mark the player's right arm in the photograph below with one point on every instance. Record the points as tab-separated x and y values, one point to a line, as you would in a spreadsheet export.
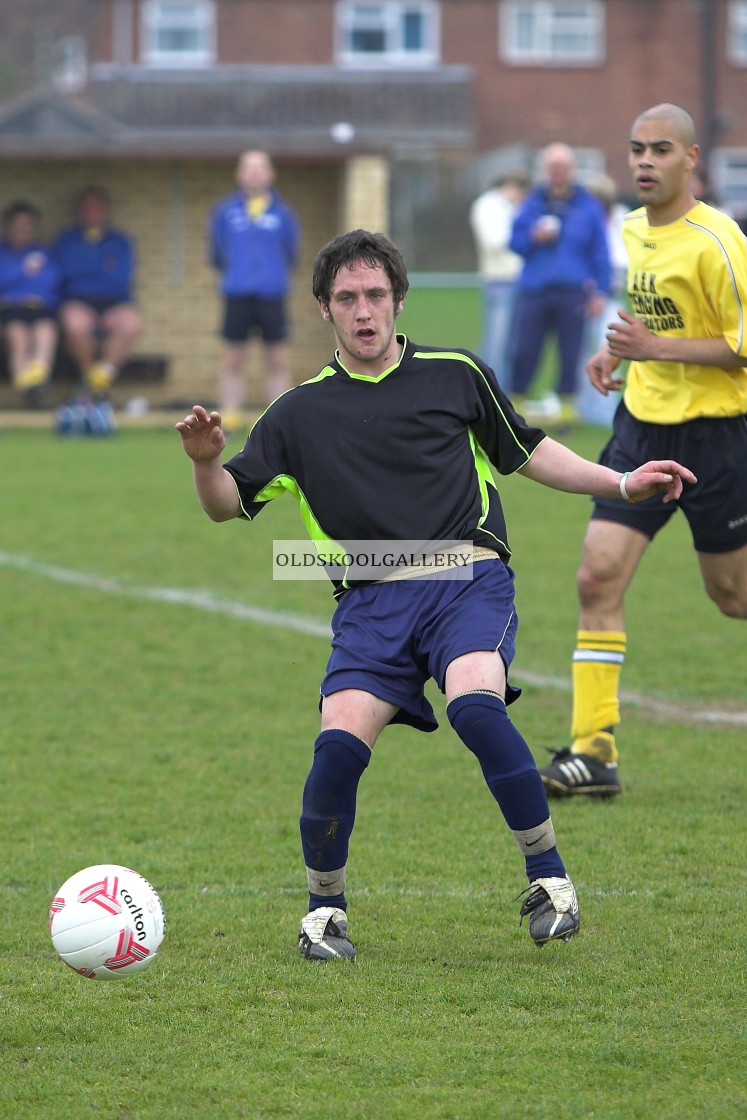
601	370
203	440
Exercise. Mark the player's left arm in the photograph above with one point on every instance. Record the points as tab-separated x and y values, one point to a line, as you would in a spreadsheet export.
629	337
555	465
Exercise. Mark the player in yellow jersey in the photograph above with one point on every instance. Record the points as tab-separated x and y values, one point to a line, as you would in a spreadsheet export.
685	398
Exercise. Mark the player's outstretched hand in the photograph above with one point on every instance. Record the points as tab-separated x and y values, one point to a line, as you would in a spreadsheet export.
662	476
202	435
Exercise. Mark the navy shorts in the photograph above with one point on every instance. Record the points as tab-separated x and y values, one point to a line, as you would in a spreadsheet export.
390	638
714	449
99	304
25	313
247	315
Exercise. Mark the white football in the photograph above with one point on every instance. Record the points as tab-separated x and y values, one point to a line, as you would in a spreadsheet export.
106	922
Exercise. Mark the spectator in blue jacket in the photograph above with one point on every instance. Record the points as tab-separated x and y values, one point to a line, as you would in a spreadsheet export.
560	231
99	319
253	240
29	298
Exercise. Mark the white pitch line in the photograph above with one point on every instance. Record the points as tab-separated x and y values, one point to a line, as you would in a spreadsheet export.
383	890
207	601
662	709
202	600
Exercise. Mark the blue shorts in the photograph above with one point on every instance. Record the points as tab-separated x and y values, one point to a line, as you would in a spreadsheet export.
390	638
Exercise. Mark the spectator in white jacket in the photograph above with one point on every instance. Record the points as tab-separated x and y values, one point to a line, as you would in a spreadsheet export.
491	218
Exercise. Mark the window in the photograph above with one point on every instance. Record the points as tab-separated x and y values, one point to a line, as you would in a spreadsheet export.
178	32
737	32
70	63
729	167
555	32
389	33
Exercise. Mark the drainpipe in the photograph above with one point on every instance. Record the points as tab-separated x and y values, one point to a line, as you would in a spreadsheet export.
709	130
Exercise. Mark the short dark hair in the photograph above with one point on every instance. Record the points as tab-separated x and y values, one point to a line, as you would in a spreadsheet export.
676	115
20	206
358	245
93	191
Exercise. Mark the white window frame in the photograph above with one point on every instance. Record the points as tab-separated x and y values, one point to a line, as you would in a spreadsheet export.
736	32
154	15
546	15
391	16
729	168
70	63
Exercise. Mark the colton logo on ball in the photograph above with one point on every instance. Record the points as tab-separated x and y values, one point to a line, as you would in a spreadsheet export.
106	921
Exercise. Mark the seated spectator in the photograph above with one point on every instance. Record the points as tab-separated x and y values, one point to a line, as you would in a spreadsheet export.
99	320
29	297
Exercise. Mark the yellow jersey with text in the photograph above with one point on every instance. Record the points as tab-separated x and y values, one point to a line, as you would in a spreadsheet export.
687	280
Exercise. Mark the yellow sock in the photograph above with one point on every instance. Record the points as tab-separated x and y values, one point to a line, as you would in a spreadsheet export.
568	410
99	376
232	421
600	746
33	374
597	662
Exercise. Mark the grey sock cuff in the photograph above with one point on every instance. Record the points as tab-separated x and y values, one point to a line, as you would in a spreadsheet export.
534	841
326	883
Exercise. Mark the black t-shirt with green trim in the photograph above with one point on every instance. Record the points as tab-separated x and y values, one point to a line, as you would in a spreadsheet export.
402	456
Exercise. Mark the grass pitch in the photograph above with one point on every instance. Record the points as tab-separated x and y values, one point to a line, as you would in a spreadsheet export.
153	717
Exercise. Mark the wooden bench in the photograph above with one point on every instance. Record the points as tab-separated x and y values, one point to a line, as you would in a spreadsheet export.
140	369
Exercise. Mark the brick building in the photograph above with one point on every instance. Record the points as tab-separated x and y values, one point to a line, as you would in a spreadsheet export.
388	113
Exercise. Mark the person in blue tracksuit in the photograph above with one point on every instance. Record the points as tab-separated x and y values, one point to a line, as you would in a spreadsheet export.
560	231
253	243
99	319
29	298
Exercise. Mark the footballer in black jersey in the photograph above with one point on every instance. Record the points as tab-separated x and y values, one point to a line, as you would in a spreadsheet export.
394	441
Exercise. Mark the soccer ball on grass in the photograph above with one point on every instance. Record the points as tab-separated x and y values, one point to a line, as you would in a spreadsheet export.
106	922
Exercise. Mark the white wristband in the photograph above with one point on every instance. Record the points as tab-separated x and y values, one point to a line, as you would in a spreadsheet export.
623	488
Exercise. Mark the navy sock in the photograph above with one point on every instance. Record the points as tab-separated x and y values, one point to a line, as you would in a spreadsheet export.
328	813
482	723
